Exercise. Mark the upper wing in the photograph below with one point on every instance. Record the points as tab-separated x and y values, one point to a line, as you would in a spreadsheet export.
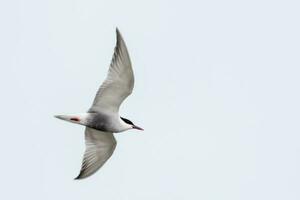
99	147
119	81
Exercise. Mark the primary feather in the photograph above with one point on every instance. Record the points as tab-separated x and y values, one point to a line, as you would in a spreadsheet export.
99	147
119	81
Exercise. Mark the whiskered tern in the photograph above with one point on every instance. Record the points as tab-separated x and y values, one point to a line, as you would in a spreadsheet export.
103	119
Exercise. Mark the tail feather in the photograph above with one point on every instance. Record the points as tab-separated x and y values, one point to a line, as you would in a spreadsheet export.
75	118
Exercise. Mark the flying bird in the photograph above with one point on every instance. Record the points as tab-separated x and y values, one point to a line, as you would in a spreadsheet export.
103	119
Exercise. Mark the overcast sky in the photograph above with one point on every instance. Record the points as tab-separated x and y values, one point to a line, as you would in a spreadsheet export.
216	90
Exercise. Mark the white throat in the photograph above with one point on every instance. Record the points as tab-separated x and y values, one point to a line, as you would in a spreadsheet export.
124	126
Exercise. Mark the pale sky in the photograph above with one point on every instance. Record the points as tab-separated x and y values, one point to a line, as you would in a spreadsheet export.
217	92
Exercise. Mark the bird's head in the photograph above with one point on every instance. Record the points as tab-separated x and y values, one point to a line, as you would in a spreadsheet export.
133	126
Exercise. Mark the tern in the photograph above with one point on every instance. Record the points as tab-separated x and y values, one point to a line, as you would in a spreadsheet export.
103	119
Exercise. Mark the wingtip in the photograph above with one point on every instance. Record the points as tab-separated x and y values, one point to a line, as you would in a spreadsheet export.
81	176
78	177
118	33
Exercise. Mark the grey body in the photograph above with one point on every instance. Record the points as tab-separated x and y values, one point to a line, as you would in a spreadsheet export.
104	122
102	119
101	122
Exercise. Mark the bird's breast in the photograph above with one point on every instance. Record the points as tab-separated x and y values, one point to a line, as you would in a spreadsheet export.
104	122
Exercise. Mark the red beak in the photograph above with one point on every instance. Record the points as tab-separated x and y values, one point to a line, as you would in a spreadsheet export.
138	128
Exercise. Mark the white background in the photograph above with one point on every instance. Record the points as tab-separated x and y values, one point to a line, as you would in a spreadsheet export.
217	92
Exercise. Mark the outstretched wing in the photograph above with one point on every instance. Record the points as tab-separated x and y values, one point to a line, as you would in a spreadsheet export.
99	147
119	81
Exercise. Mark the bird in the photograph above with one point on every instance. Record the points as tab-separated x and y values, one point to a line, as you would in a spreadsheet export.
102	119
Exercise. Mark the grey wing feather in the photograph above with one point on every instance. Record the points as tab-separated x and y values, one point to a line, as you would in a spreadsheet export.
99	147
119	82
